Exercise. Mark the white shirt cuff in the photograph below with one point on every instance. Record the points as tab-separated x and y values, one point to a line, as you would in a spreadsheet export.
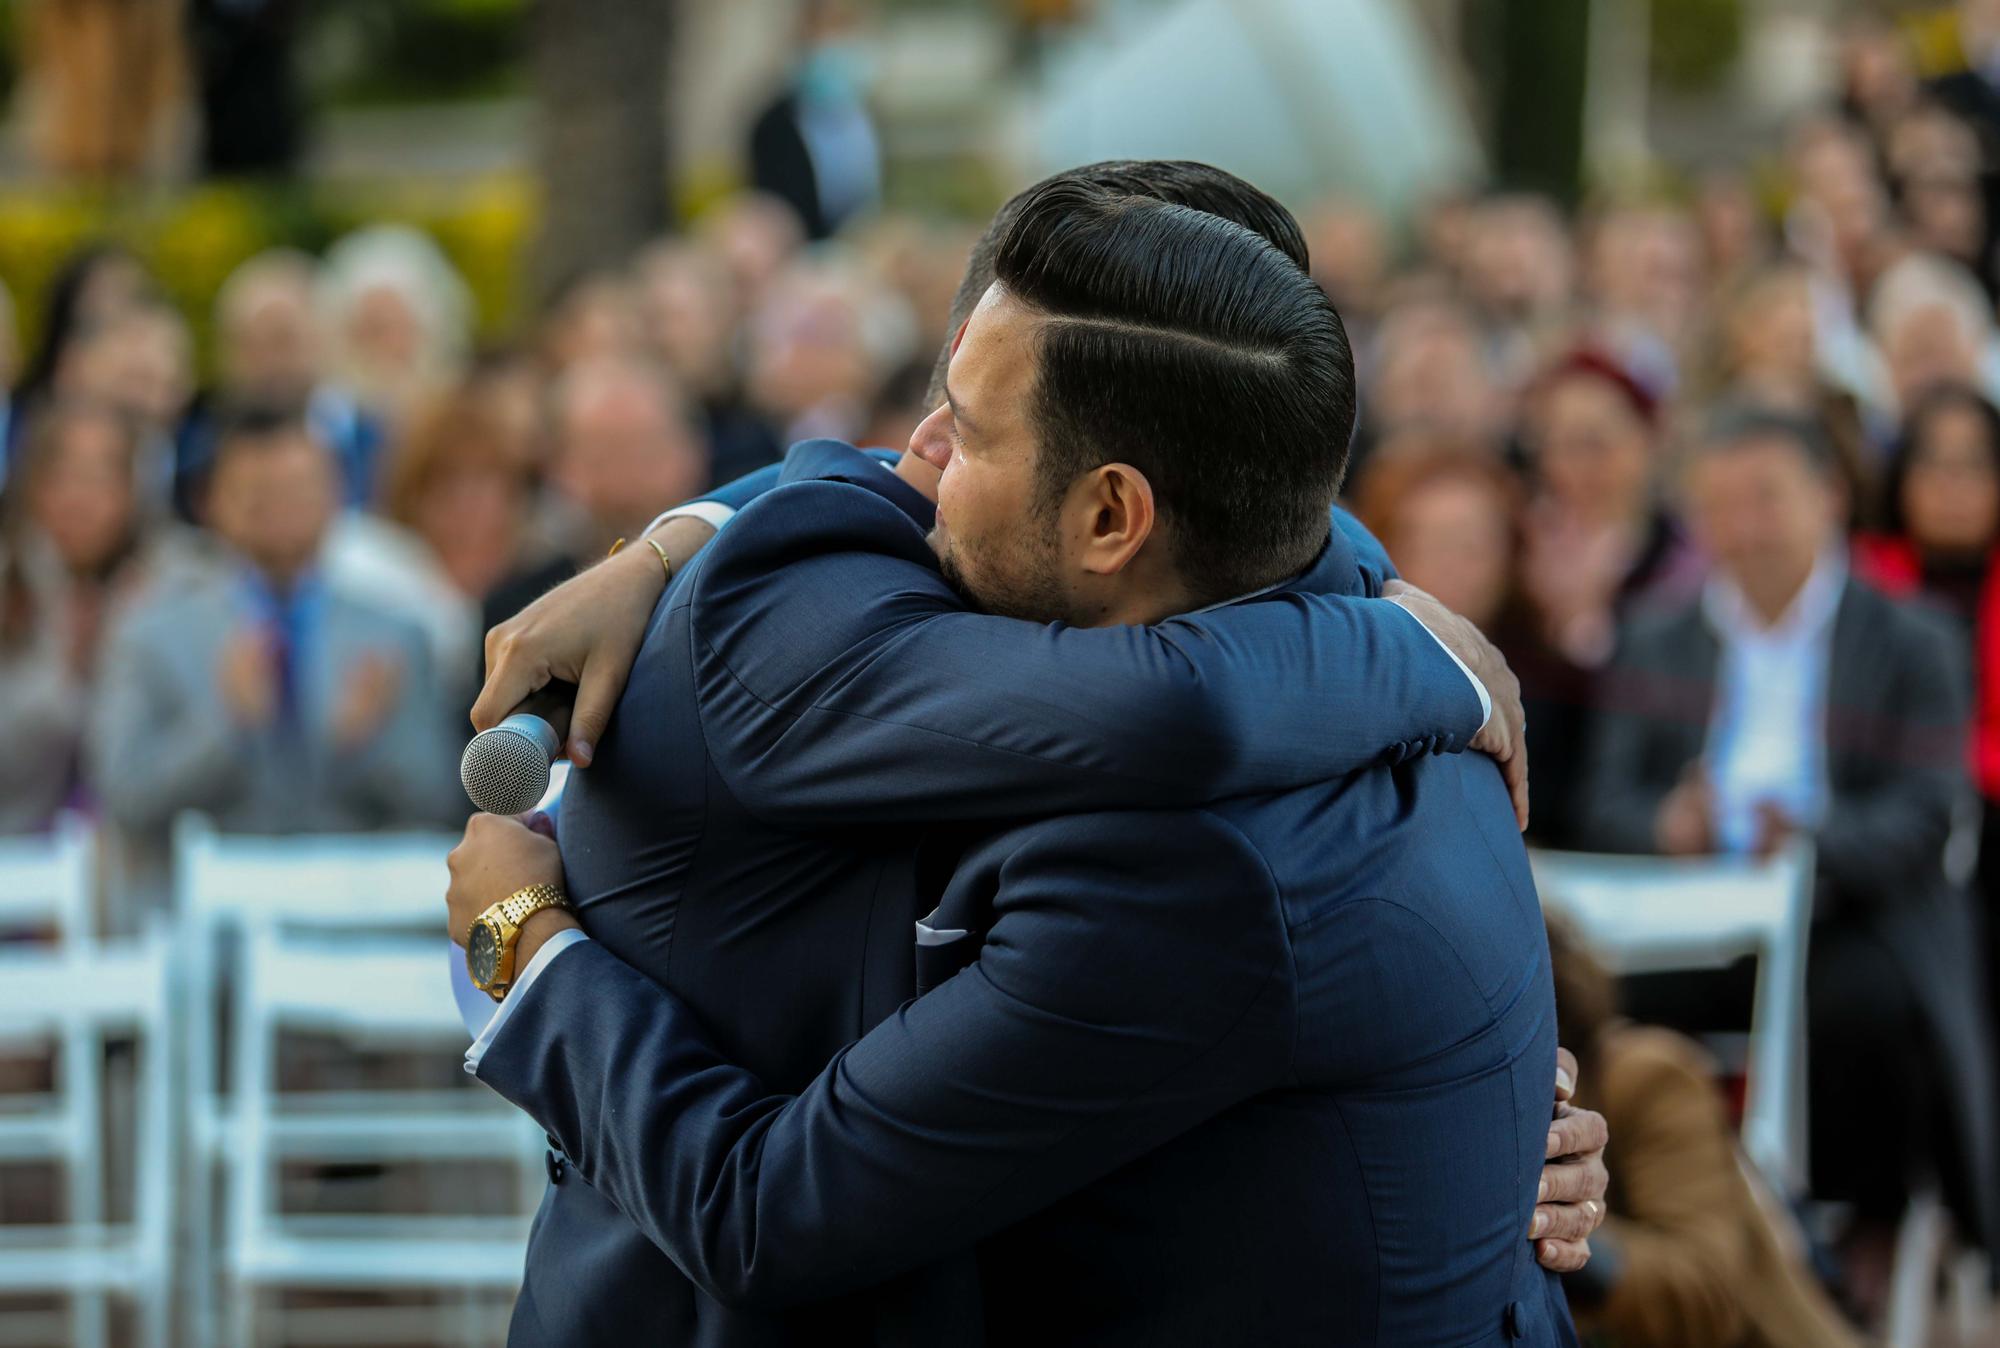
552	947
712	513
1485	698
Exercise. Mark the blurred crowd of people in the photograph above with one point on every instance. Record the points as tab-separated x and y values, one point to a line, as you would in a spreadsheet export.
262	595
1719	473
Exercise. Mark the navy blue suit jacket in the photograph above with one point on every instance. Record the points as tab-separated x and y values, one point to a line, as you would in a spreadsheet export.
812	696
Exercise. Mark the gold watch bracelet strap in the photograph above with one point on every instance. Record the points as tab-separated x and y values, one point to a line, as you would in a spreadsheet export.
523	904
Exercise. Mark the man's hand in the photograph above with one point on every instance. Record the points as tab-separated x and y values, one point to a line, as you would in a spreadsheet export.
496	857
1775	829
247	677
1685	825
586	631
1506	730
1574	1181
367	700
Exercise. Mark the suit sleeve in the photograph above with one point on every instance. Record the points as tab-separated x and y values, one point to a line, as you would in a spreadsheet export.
1874	841
862	684
1618	797
1369	555
1127	991
745	489
157	748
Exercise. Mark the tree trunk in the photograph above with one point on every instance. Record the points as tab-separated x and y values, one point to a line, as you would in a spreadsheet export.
1531	55
600	70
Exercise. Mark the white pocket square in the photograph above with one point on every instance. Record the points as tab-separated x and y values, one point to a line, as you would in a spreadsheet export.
929	935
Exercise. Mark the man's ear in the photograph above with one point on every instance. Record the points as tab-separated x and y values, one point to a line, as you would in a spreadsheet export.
1109	516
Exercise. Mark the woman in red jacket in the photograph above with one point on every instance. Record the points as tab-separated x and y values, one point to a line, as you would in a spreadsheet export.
1941	506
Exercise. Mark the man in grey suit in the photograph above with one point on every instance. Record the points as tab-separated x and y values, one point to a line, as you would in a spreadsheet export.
1791	699
259	695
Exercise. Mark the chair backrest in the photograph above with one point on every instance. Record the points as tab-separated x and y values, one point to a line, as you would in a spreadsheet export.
45	881
1657	915
372	881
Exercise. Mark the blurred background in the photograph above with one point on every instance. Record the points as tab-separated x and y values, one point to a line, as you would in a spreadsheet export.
332	334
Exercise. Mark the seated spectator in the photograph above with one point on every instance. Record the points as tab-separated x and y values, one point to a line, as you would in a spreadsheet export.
1450	519
1768	353
900	406
139	359
1933	161
1349	244
1598	545
1734	237
96	282
687	307
756	236
593	317
1942	531
464	484
1428	372
1694	1250
1842	218
264	696
75	549
1520	274
398	319
271	350
820	346
1791	699
1931	324
1645	278
625	449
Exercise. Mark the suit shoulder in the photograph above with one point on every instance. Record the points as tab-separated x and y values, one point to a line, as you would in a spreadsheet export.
170	615
1920	630
1157	914
801	521
1179	857
1652	628
373	623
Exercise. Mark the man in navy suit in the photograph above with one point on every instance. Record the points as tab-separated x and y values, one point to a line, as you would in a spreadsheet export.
1159	986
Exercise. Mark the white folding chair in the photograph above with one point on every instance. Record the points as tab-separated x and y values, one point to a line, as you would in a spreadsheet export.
1655	915
73	994
337	935
45	882
371	991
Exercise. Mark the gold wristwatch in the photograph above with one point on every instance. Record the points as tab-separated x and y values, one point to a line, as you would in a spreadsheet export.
489	946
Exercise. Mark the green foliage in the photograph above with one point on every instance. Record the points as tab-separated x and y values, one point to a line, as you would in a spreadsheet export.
1695	41
192	241
389	51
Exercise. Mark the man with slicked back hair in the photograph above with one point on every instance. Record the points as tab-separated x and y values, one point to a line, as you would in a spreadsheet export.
815	728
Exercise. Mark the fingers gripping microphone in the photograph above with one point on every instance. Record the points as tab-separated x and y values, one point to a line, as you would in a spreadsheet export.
506	769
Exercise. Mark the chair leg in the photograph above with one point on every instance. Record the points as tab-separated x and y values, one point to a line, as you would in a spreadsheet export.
242	1315
1913	1287
1971	1307
89	1323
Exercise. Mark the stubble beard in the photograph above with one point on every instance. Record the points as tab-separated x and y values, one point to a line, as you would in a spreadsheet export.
1029	587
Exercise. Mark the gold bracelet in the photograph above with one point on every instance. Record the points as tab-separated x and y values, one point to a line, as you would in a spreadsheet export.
658	551
665	560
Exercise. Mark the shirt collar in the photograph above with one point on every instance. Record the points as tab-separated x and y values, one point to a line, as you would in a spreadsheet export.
1811	612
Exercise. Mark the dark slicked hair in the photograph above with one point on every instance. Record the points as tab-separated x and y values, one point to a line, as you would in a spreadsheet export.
1189	347
1179	182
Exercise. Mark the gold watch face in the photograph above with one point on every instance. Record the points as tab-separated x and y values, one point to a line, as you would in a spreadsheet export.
482	954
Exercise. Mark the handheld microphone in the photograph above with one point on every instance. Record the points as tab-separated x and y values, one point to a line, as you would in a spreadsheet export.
506	769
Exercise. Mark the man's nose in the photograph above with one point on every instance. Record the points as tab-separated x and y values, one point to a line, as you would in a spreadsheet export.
929	442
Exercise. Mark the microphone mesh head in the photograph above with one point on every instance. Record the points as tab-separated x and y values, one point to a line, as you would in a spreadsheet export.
504	771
